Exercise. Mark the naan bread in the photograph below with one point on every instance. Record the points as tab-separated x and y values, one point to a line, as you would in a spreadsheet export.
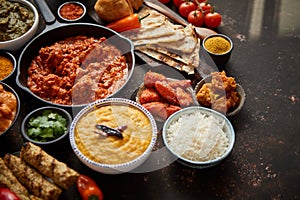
167	59
187	44
154	19
191	58
165	33
173	44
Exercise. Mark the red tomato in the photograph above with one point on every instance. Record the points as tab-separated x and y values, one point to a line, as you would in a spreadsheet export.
177	3
196	18
186	7
6	194
205	7
164	1
212	20
198	1
88	189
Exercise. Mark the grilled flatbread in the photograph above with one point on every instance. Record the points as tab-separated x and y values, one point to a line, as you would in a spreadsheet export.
175	45
168	60
167	33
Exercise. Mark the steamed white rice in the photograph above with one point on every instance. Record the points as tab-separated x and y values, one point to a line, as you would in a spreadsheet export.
198	137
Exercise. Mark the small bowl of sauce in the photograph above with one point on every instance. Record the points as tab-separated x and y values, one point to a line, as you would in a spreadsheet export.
7	65
219	47
71	11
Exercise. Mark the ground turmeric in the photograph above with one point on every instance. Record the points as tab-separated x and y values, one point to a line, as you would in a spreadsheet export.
217	45
6	67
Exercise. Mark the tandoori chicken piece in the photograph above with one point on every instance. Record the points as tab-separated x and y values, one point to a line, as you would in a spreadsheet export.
149	95
151	77
161	110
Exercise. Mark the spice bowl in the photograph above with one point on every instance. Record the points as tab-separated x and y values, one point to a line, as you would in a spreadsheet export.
47	126
8	65
71	11
19	39
219	47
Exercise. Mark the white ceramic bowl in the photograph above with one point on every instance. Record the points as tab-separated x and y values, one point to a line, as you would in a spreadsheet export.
119	167
16	44
181	140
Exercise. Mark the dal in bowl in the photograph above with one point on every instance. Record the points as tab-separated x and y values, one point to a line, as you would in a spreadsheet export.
113	136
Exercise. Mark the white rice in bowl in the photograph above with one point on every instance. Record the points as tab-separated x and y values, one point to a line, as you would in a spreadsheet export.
198	136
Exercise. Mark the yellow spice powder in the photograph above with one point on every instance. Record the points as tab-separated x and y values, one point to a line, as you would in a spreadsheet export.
6	67
217	45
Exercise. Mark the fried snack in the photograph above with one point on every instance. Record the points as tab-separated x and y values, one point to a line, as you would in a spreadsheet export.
8	180
109	10
59	172
31	179
220	94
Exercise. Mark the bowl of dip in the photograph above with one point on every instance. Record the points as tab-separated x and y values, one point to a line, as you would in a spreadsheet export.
71	11
199	137
10	108
219	47
113	135
27	17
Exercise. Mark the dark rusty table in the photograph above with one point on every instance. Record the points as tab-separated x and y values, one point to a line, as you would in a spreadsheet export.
264	163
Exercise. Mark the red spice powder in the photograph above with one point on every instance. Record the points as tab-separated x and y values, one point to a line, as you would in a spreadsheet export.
71	11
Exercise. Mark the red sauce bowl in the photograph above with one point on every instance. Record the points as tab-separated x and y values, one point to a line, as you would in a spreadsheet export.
71	11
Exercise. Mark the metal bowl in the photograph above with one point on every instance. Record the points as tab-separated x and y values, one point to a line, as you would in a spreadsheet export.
17	43
69	30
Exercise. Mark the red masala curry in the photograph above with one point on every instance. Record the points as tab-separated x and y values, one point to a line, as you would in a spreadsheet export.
77	70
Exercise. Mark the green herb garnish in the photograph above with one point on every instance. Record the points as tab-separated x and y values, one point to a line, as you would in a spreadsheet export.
46	127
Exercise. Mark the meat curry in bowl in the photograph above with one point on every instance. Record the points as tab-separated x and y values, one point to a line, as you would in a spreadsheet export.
86	63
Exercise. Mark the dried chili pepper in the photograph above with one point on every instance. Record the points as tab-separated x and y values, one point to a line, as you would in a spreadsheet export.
88	188
132	21
107	131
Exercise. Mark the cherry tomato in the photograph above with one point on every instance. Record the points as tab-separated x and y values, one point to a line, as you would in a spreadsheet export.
6	194
212	20
196	2
177	3
196	18
88	188
164	1
205	7
186	7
